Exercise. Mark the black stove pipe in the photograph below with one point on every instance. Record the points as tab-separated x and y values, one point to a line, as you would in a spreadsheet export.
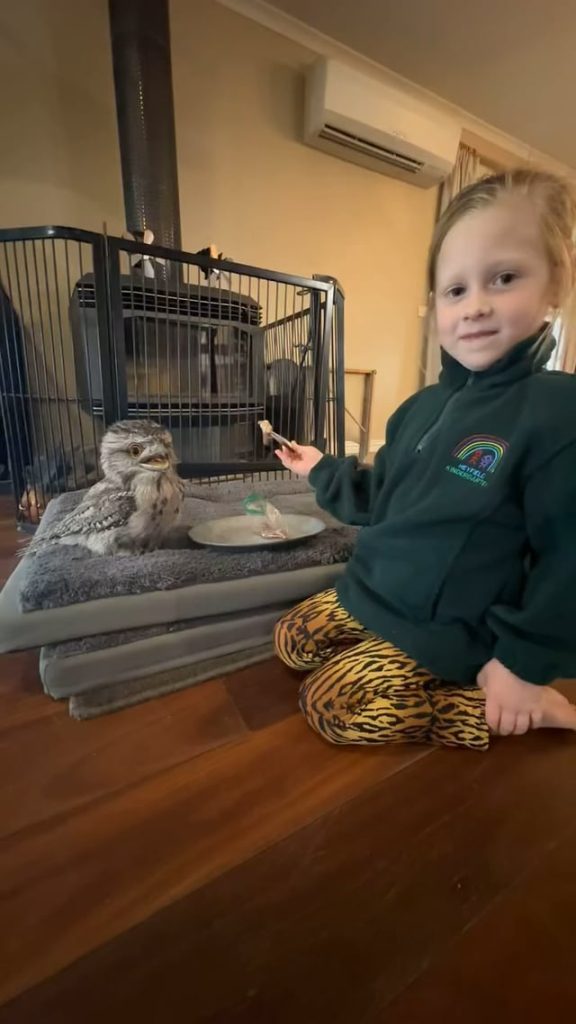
140	32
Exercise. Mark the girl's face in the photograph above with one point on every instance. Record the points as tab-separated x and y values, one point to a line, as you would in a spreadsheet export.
493	282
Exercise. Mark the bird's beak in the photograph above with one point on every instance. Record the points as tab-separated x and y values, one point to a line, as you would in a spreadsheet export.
157	460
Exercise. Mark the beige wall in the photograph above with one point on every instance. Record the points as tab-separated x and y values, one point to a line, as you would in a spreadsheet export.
247	183
59	160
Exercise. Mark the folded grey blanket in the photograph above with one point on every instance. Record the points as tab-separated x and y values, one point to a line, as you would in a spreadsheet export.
104	641
105	699
64	576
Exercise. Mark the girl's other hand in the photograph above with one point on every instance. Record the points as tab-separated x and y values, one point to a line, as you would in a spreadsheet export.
299	458
513	706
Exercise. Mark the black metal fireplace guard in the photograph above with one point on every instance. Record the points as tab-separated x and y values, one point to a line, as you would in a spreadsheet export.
95	329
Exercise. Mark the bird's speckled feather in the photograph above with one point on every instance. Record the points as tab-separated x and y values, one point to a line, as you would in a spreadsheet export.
139	499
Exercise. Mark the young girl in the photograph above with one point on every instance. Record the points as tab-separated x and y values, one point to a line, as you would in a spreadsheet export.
458	605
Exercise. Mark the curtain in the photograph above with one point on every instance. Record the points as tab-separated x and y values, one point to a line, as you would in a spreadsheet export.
466	170
568	355
567	341
564	331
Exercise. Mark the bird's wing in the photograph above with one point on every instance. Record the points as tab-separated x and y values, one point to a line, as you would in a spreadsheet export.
95	514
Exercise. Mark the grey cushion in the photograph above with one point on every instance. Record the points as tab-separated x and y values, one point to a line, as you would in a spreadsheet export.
69	575
20	630
68	593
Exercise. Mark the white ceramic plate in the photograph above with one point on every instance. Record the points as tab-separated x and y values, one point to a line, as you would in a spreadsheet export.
243	531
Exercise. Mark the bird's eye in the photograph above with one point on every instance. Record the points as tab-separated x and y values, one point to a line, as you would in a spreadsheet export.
135	450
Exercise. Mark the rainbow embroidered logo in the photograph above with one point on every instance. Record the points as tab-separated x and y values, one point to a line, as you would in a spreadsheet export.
475	458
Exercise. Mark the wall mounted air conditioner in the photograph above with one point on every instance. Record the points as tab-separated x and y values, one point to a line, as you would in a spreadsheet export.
367	122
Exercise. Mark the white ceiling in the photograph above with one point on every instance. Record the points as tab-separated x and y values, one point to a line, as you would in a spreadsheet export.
511	63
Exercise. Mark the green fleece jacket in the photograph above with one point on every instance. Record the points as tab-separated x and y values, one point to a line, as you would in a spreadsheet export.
468	550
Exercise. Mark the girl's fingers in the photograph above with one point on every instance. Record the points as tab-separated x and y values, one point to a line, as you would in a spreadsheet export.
507	724
288	458
523	723
493	716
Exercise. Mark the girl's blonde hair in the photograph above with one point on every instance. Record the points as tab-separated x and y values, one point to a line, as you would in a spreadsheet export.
555	202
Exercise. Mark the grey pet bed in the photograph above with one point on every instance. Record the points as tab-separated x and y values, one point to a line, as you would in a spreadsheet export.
66	593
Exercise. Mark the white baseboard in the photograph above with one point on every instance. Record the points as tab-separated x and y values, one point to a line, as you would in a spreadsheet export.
352	447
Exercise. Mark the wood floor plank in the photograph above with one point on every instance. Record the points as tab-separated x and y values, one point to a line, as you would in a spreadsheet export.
52	767
71	885
265	696
22	698
330	924
522	950
11	541
7	565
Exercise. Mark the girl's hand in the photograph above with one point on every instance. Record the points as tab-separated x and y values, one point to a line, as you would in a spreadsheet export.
512	705
299	458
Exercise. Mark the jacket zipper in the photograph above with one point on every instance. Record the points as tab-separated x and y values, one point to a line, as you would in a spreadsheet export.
435	426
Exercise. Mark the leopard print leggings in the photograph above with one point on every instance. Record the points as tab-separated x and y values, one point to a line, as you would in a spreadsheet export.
364	690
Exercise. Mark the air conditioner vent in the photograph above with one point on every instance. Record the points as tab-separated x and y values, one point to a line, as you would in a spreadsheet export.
360	145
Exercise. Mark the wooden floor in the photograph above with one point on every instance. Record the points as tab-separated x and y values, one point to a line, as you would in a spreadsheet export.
206	858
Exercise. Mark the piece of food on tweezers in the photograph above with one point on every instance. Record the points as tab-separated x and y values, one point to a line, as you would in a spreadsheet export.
269	435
